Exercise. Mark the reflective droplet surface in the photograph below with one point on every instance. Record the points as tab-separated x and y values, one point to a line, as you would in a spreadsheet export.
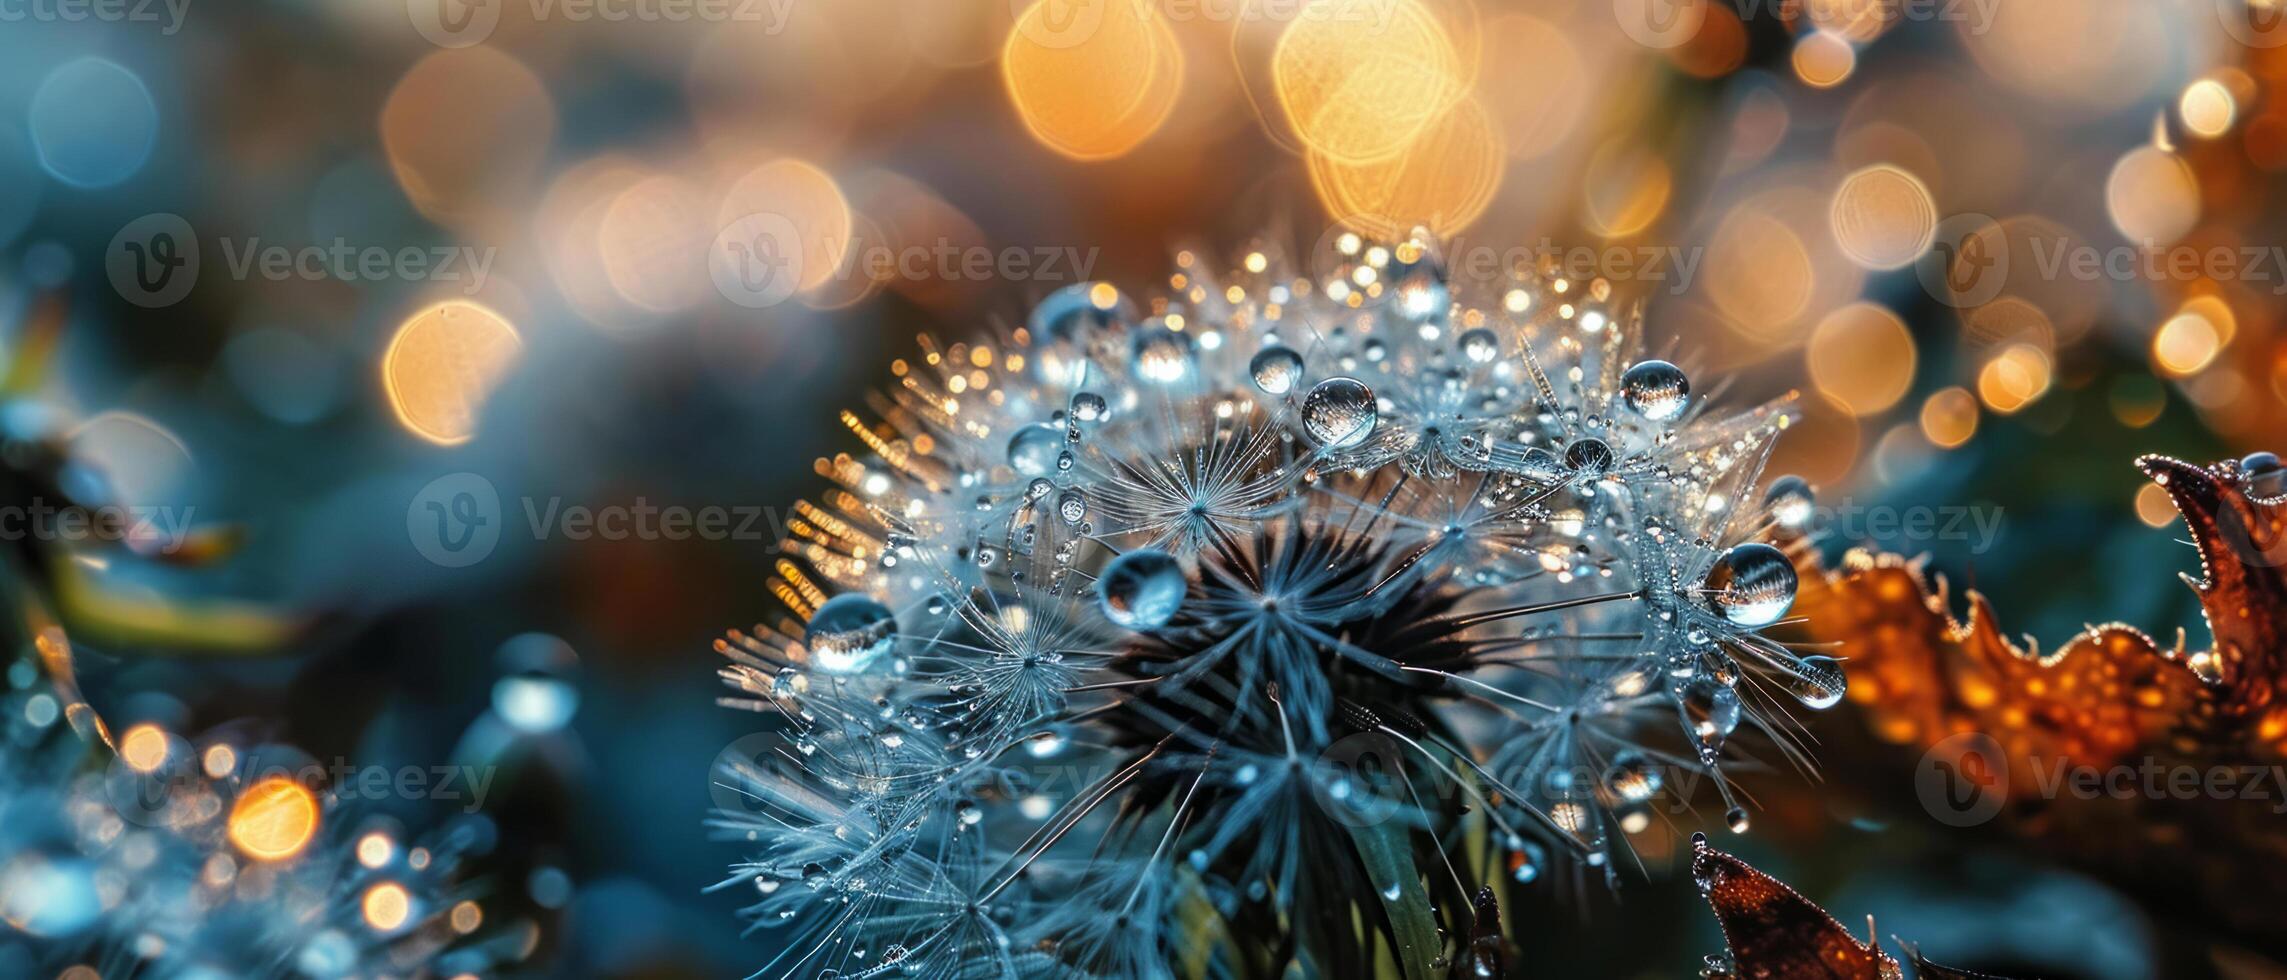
1818	682
1419	290
1588	455
1276	369
1632	778
1141	590
1480	346
1159	355
1791	503
1753	585
1339	412
1711	708
2265	475
1656	390
1088	406
1072	506
1736	819
849	633
1033	449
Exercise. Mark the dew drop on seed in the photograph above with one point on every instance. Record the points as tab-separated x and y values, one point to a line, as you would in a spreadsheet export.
1339	412
849	633
1276	369
1753	585
1033	449
1656	390
1790	502
1480	345
1141	590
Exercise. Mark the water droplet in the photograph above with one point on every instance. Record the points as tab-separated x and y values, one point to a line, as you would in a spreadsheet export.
1817	681
1711	708
1656	390
1339	412
1480	345
1420	290
1736	819
1141	590
790	683
2265	475
849	633
1033	449
1088	406
1753	584
1632	778
1160	355
1276	369
1072	506
1791	502
1588	455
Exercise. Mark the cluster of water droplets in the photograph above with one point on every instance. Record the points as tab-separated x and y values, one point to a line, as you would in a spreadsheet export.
1102	598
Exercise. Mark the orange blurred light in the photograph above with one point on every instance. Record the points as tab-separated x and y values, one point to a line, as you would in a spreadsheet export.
273	819
143	748
1863	357
1441	181
1949	417
1091	79
1824	60
1359	79
1883	217
2014	379
387	905
2185	344
442	365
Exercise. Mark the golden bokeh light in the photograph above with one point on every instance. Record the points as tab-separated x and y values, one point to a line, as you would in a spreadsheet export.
653	241
1626	189
1858	21
2152	196
1949	417
2186	344
1091	79
375	849
1822	446
1760	271
386	906
143	748
1862	357
2153	506
220	759
2014	378
2207	108
442	365
1883	217
463	125
803	197
1359	79
1538	89
1441	181
1823	60
273	819
466	916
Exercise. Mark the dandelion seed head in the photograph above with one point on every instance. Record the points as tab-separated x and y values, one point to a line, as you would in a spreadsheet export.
1106	619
